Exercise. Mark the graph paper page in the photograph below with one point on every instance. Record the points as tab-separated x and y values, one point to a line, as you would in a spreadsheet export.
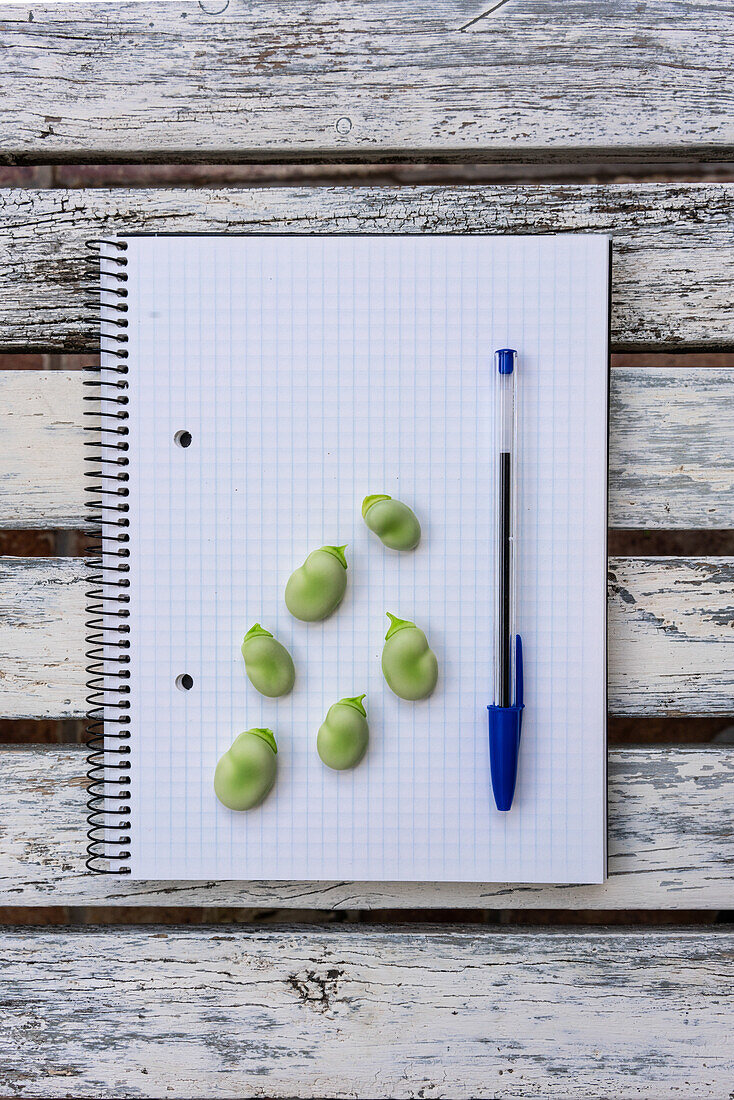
311	372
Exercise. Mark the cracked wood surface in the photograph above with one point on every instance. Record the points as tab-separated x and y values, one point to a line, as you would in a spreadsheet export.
671	643
340	80
671	846
367	1012
285	1012
670	456
672	269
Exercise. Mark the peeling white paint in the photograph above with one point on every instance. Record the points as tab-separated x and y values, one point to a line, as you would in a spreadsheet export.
368	1012
673	260
671	463
671	642
462	78
671	845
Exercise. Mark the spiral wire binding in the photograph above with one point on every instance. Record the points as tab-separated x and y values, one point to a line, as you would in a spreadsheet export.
107	627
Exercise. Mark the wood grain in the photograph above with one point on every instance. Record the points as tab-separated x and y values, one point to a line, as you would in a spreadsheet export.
671	644
286	1012
314	1012
42	637
41	450
670	456
671	636
673	263
670	463
671	846
339	80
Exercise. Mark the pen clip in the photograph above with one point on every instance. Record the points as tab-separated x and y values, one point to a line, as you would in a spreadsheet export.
519	684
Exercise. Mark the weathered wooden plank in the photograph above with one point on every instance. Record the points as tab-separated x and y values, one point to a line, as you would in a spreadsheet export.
340	80
671	462
670	455
671	648
361	1012
41	450
673	263
42	637
671	846
670	637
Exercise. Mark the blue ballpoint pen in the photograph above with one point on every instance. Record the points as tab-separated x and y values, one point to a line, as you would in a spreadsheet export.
505	714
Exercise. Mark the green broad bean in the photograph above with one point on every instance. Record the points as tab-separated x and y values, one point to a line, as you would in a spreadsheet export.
268	664
408	663
245	775
342	738
316	588
392	521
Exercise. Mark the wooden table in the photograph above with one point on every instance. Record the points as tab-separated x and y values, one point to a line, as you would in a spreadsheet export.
408	1010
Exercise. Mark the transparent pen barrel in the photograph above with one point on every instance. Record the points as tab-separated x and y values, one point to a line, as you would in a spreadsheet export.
505	512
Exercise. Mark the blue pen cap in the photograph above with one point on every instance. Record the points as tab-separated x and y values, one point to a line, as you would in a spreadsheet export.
504	727
505	724
505	359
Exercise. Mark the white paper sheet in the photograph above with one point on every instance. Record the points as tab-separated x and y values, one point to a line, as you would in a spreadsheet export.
312	371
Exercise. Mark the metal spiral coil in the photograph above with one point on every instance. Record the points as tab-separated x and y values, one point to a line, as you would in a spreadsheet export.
107	629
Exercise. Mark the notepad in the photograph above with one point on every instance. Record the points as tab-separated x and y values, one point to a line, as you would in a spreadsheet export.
308	372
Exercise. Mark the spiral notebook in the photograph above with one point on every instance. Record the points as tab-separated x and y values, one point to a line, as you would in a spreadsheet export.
302	373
